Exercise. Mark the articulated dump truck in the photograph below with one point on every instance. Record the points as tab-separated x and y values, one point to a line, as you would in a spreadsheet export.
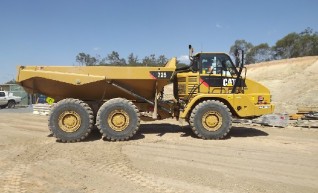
208	94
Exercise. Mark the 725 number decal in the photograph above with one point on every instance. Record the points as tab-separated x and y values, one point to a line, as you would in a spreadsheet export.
161	74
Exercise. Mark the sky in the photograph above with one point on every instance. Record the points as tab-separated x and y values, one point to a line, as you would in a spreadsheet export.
43	32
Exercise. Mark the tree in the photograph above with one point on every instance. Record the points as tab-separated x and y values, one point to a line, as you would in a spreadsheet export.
149	60
287	46
260	53
132	60
114	59
308	43
292	45
162	60
180	64
86	59
245	46
300	44
13	81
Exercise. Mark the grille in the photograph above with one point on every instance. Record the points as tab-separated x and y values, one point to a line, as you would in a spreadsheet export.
182	79
193	79
192	89
181	89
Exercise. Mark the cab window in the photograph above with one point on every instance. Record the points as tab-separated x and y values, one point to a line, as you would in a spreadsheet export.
216	64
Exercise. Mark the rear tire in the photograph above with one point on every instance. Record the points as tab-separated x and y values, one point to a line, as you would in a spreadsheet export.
118	119
3	106
211	120
71	120
11	104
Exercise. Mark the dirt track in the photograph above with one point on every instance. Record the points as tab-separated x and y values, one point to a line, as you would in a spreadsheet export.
160	158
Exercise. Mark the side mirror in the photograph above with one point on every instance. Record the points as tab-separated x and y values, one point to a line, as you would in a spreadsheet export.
190	51
194	66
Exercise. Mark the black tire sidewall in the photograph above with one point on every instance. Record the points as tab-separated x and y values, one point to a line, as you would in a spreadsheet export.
11	104
69	136
104	113
226	120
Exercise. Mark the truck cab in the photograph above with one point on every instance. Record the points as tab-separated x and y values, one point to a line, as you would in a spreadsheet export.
210	73
214	76
214	63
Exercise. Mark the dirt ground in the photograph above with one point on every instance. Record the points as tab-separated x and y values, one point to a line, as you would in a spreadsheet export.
164	156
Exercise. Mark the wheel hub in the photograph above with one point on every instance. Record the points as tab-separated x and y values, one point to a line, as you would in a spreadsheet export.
69	121
118	120
212	121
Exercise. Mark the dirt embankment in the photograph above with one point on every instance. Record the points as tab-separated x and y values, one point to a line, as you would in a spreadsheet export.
292	82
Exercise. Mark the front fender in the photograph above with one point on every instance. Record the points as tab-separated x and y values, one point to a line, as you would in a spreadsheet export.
199	98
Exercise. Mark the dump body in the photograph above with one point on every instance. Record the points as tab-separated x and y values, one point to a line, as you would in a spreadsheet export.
91	83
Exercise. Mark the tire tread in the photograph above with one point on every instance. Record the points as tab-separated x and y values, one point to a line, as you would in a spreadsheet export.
104	107
198	107
85	106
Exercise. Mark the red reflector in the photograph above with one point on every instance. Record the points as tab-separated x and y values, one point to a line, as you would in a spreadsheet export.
260	100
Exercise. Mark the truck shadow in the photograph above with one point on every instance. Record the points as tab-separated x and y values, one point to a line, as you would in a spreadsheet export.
186	131
245	132
94	135
162	129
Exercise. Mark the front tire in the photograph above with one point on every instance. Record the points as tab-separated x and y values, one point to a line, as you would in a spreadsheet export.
211	120
118	119
71	120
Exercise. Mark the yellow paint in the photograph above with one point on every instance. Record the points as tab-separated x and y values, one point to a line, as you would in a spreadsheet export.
244	104
69	121
118	120
92	82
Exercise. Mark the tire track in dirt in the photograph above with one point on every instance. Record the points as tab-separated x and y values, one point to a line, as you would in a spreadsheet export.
14	170
27	125
15	156
14	178
262	165
118	164
34	152
31	161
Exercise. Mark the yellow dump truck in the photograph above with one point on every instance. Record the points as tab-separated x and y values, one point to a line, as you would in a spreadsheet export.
207	94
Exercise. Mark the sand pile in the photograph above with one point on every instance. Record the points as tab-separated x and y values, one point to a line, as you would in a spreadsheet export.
292	82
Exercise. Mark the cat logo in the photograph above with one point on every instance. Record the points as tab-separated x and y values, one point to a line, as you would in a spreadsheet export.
228	82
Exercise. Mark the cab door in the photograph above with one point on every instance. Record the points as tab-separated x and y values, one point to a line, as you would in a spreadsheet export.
3	99
214	75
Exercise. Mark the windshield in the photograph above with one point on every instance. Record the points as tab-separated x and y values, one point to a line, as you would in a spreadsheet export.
216	64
